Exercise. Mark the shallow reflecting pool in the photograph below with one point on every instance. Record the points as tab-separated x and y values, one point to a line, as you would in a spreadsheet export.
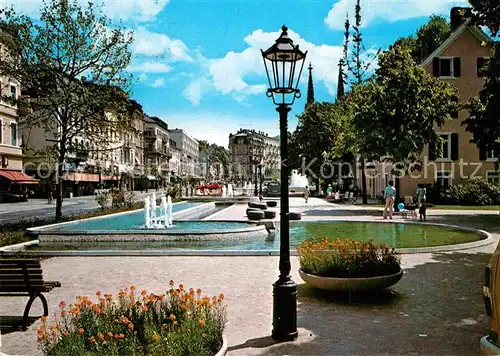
392	234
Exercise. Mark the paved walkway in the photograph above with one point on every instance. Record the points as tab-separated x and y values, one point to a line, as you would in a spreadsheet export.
437	308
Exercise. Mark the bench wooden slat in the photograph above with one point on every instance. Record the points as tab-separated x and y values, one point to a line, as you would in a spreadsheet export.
22	282
20	271
18	260
20	289
7	277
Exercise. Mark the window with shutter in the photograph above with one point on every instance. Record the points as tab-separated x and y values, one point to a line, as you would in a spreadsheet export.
447	67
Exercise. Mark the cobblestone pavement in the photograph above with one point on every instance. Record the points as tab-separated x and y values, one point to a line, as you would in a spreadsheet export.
436	309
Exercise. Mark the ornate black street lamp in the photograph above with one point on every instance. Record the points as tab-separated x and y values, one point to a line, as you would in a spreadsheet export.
282	58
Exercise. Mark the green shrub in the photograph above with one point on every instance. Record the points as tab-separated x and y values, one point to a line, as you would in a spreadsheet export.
102	200
179	322
474	192
346	258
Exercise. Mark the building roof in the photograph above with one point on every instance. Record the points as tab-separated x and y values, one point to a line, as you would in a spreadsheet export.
157	121
480	34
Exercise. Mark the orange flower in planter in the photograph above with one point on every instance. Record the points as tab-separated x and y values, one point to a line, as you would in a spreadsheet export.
81	331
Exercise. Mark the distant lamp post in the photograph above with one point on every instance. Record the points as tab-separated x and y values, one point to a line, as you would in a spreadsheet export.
281	61
260	175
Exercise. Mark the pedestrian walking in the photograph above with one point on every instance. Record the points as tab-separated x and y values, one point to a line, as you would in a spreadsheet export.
49	197
306	194
421	201
390	193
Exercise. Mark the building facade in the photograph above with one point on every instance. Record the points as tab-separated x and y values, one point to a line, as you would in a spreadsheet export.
13	181
189	153
249	150
457	61
157	150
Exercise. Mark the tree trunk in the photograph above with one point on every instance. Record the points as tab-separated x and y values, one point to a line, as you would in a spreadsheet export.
363	181
59	187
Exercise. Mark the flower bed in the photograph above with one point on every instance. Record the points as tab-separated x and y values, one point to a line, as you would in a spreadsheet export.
347	258
179	322
214	186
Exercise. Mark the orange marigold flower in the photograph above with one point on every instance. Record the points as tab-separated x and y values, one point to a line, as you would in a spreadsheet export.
92	340
144	308
171	283
221	296
144	292
172	317
201	322
100	336
44	318
156	337
81	331
98	293
132	288
110	334
181	286
62	304
131	326
122	293
65	333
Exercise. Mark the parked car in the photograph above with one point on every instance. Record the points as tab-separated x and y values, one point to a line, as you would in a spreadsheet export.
490	344
273	189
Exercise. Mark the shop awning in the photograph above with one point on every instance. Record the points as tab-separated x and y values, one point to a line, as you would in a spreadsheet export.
81	177
18	177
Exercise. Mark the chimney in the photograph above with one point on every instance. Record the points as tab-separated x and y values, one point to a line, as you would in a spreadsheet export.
458	15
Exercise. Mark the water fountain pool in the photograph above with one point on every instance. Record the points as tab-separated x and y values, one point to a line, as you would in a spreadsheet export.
298	182
168	222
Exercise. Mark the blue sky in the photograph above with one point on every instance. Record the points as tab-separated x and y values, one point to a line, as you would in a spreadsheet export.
198	64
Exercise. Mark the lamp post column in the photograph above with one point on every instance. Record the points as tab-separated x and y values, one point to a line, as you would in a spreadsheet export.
260	179
256	188
284	289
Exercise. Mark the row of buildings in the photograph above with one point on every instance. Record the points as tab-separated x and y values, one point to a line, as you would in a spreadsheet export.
150	154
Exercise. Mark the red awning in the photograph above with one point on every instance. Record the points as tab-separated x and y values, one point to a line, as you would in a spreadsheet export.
18	177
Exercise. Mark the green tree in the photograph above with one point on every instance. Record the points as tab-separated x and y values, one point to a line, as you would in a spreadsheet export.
393	115
359	68
485	13
72	63
219	152
484	110
314	138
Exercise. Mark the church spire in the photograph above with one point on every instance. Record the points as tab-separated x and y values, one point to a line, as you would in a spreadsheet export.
310	88
340	84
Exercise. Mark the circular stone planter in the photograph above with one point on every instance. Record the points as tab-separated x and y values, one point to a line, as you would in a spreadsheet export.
295	216
255	215
261	206
272	203
223	349
269	214
351	284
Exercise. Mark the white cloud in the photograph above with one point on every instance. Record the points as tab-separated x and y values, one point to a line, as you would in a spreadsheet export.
215	128
241	74
158	83
388	10
142	77
193	91
160	45
150	67
141	10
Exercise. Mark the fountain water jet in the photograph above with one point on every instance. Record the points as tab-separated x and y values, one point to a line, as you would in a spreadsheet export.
162	220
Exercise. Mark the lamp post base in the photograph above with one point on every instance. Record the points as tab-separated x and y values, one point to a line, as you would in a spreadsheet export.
284	310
